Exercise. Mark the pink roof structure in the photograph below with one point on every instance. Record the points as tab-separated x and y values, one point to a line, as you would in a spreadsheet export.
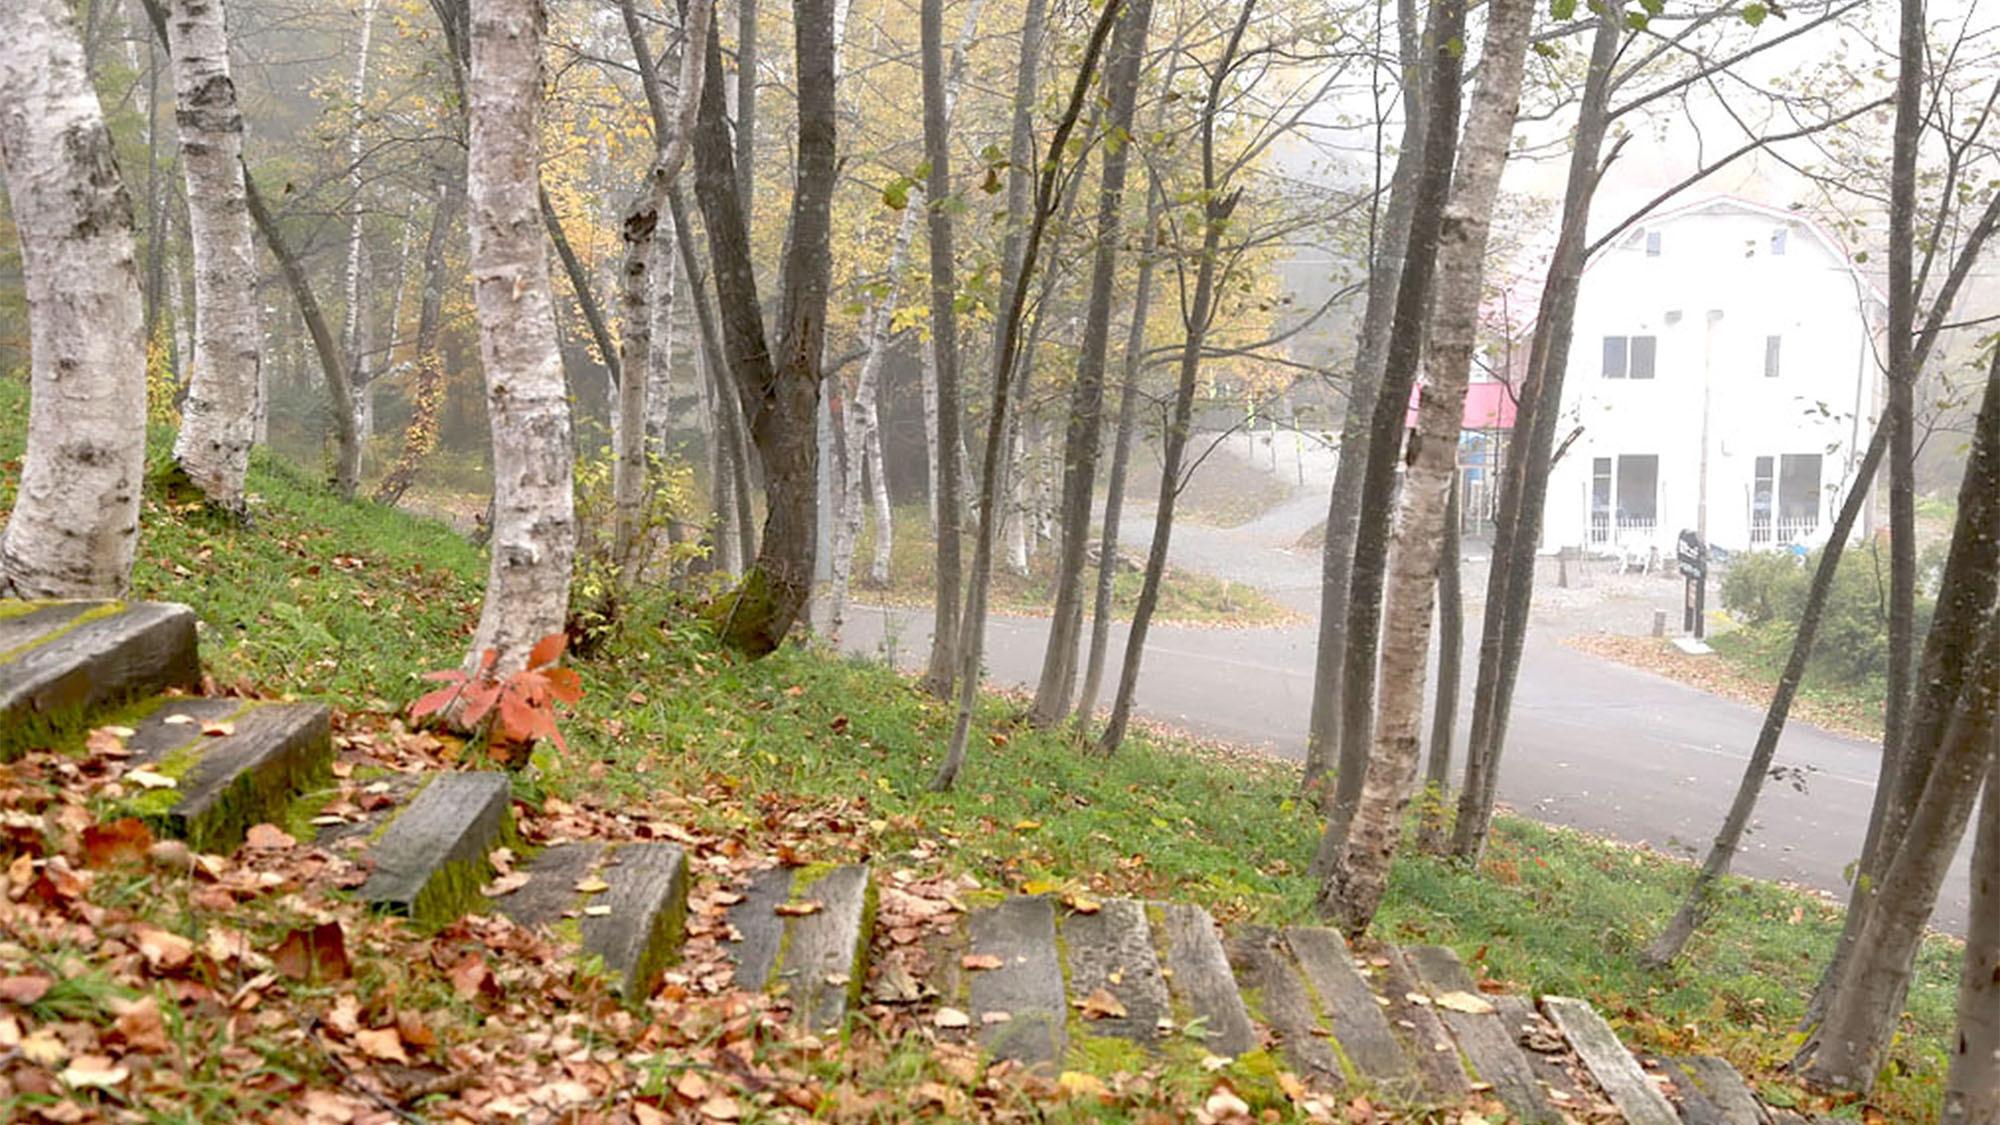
1488	406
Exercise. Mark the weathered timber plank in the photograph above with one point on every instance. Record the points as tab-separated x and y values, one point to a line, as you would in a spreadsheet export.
1430	1044
1483	1038
760	928
1198	976
825	956
1027	988
1616	1071
1712	1093
1278	997
431	859
233	781
1112	949
1355	1016
80	664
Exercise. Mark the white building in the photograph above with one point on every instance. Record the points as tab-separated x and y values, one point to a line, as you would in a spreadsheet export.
1724	373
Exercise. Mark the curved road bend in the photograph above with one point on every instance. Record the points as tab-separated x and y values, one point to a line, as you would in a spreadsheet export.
1593	745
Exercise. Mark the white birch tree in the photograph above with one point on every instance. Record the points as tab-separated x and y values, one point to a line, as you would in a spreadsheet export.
76	517
218	421
534	518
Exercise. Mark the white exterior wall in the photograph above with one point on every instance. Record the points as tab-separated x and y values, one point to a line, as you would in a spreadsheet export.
1711	297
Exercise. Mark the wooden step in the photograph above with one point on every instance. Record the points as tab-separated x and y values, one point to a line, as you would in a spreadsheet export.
233	763
60	660
1018	1009
1199	980
1487	1044
627	901
1712	1093
1371	1046
1109	952
1614	1068
431	858
1438	1060
804	935
1278	997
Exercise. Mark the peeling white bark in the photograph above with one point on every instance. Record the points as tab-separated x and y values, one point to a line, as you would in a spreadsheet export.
219	419
76	517
534	521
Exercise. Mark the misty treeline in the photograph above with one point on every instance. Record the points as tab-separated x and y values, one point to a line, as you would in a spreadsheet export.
704	298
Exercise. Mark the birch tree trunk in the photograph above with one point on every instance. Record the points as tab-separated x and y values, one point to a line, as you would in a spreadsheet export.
427	385
1360	872
1364	386
218	420
1084	433
534	521
350	452
1362	626
1524	487
75	521
1451	652
1972	1089
629	468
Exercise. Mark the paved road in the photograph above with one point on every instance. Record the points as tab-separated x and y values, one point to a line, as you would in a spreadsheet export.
1593	744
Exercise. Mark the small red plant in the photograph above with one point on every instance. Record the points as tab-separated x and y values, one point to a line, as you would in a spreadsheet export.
513	712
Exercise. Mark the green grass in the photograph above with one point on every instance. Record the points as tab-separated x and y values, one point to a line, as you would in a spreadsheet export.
1761	651
1186	596
351	602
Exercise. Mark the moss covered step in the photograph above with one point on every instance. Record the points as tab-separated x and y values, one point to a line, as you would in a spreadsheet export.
1109	954
431	858
628	903
804	935
1018	1008
1712	1093
1279	997
61	659
1199	980
1438	1060
1483	1037
1610	1063
232	763
1372	1047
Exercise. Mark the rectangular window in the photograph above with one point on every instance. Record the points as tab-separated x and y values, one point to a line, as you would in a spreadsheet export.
1638	491
1644	349
1614	357
1600	500
1761	496
1771	347
1798	488
1652	244
1778	239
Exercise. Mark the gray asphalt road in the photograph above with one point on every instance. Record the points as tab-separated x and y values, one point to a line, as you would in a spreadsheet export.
1593	744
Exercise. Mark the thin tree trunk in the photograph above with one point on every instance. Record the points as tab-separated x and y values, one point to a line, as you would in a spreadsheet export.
972	630
219	417
858	427
1084	432
746	111
1695	908
942	390
1344	501
427	385
350	333
1524	486
534	521
1378	487
1451	658
1121	447
1220	203
1972	1089
579	285
730	480
340	398
1359	874
75	520
629	468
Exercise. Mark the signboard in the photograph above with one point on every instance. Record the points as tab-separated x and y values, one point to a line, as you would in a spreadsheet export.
1692	555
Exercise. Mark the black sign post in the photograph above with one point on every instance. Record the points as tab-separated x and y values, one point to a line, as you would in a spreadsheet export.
1692	555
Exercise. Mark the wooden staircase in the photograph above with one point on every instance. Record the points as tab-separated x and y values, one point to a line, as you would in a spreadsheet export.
1053	985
